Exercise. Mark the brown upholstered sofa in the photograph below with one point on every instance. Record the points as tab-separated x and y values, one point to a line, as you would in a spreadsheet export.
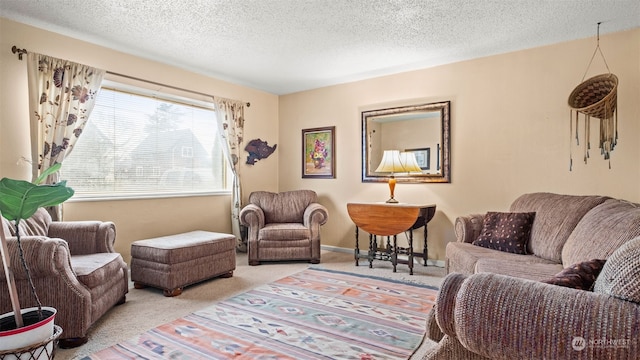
74	268
283	226
493	305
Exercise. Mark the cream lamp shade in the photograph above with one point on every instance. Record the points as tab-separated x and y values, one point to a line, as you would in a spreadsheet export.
393	161
390	162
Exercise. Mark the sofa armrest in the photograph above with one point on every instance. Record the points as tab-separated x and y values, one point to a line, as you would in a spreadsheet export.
504	317
468	228
85	237
446	302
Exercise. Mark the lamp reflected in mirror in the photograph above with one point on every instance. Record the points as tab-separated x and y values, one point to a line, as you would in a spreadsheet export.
394	161
409	162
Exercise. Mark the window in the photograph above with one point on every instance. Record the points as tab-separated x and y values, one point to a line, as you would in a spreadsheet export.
138	144
187	151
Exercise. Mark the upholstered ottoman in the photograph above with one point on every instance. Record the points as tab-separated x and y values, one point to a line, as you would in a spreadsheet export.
173	262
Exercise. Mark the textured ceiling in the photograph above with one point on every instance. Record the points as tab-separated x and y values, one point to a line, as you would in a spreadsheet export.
284	46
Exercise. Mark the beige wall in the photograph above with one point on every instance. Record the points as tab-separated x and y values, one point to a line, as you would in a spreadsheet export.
509	133
135	219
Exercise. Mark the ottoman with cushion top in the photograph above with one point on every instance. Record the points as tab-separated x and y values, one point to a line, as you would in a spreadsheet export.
175	261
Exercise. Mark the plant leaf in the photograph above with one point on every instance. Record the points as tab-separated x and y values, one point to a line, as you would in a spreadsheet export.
50	170
20	199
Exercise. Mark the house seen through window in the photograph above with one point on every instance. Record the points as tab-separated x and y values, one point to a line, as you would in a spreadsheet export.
138	144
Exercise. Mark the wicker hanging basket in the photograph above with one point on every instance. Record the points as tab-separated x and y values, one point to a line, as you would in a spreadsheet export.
596	97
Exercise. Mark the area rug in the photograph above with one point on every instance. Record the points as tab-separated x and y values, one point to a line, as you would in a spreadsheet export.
314	314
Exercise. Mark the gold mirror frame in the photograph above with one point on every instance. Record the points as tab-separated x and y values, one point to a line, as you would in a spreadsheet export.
413	119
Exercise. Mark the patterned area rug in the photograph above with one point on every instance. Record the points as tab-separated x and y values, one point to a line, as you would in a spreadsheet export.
314	314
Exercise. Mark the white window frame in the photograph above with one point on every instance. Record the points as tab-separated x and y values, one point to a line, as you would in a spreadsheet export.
170	98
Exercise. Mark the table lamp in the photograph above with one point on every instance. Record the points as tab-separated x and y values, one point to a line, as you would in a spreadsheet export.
395	162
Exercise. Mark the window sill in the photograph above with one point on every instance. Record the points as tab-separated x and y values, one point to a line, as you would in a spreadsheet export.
88	198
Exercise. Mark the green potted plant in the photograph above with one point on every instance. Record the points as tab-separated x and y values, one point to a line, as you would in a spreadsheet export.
19	200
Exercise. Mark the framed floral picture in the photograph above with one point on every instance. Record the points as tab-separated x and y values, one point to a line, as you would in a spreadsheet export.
319	153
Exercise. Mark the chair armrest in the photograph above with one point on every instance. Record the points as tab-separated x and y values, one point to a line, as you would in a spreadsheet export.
252	216
315	213
468	228
49	263
85	237
44	256
504	317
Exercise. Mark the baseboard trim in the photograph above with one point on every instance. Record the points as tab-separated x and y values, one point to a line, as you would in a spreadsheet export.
438	263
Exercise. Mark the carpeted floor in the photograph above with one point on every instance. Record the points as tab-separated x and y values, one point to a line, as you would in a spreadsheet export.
148	308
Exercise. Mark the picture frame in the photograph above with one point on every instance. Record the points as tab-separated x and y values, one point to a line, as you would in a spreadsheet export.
319	153
423	157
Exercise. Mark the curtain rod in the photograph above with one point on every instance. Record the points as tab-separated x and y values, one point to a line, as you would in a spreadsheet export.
20	52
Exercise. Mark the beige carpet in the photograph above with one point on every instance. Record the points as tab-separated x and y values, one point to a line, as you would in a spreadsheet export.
148	308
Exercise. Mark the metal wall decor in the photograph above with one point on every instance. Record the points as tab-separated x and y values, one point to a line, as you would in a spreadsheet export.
258	150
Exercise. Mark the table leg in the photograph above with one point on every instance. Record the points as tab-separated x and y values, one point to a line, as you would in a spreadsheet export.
373	246
425	251
410	252
356	252
394	255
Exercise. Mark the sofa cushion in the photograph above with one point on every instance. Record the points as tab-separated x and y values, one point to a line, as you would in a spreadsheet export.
466	258
284	231
620	276
36	225
556	217
508	232
284	207
521	266
578	276
93	269
601	231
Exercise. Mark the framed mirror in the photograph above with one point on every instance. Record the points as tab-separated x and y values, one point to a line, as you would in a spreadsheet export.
421	129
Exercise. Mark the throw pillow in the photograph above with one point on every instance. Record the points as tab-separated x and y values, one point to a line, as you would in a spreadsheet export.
578	276
620	276
505	231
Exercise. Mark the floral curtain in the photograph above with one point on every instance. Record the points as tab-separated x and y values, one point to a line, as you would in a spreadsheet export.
230	114
61	96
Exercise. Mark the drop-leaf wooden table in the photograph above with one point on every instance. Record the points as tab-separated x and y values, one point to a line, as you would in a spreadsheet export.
386	219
